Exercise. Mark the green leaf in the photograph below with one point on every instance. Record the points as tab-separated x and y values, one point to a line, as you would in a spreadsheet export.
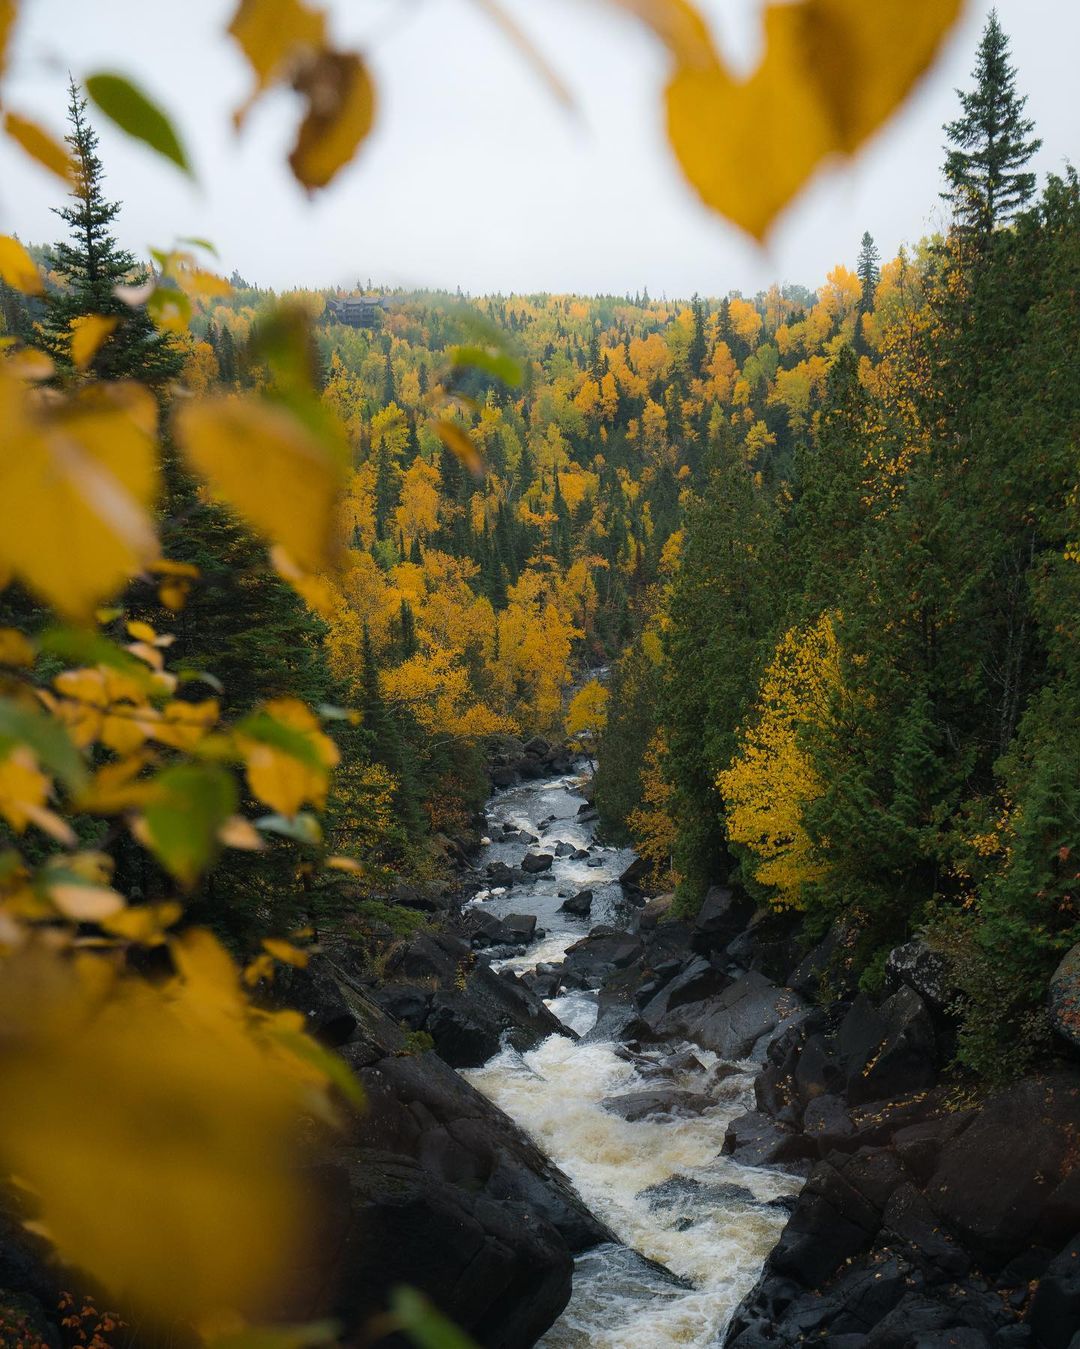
496	363
303	827
134	113
191	803
46	737
424	1325
81	646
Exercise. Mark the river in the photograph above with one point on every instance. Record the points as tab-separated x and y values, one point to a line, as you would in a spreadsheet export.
696	1226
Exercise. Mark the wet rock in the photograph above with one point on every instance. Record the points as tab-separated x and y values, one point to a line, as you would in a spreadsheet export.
483	928
595	862
580	854
605	949
534	862
522	927
1055	1308
827	1122
927	972
463	1037
564	849
499	873
1064	999
890	1050
587	812
768	942
635	875
580	905
406	1003
739	1022
689	983
756	1140
995	1182
655	911
503	776
638	1105
679	1190
830	961
722	916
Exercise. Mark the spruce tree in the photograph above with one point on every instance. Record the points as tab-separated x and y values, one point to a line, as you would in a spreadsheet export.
91	266
868	271
990	143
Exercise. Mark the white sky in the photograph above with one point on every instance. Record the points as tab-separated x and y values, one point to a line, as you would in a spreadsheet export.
475	177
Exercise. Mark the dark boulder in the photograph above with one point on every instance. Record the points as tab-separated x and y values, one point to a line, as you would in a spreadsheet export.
756	1140
994	1183
482	928
580	905
1055	1308
604	950
690	983
927	972
521	927
406	1003
463	1036
722	916
499	873
635	875
638	1105
564	849
889	1050
738	1022
503	776
535	862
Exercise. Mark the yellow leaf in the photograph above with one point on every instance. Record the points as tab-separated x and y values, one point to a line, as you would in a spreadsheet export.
285	952
8	13
270	467
141	632
23	787
30	365
287	771
88	332
349	864
832	72
85	903
262	967
145	924
457	441
15	649
17	267
41	145
77	478
115	787
316	591
341	111
183	724
237	832
276	36
184	1161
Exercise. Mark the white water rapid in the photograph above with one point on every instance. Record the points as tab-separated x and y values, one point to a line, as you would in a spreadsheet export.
659	1183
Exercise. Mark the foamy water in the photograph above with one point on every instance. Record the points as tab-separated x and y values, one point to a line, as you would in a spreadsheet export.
659	1183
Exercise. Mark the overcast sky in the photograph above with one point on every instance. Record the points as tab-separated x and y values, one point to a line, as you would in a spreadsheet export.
475	177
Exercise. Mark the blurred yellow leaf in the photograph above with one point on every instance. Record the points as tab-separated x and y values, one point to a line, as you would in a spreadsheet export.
30	365
142	632
349	864
116	787
40	144
237	832
286	770
832	72
286	952
77	478
340	115
88	332
23	787
271	467
17	267
177	1188
8	13
183	724
316	591
457	441
15	649
276	36
83	902
145	924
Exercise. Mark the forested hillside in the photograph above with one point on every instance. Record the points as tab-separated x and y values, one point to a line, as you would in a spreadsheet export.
857	692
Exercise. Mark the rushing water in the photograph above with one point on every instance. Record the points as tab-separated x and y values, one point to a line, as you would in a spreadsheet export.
696	1225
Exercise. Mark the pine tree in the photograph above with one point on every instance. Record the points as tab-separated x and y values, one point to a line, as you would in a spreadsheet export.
91	266
990	142
698	350
868	271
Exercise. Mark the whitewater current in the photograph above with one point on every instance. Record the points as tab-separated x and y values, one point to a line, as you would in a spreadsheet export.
696	1226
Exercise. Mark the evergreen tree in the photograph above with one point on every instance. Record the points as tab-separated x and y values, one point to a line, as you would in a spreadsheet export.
698	351
868	271
990	143
91	266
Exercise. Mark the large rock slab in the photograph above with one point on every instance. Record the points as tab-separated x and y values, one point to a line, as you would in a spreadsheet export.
1063	999
738	1022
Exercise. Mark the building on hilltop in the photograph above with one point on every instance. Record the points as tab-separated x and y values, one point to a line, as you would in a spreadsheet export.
358	311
